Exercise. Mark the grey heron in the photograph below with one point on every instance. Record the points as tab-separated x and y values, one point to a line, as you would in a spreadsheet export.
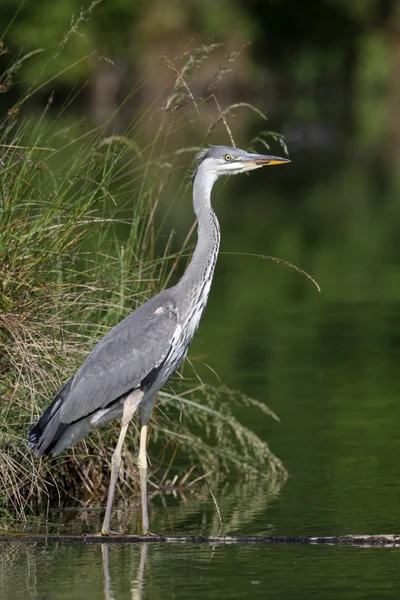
125	370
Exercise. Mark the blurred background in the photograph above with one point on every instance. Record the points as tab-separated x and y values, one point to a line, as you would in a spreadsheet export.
322	74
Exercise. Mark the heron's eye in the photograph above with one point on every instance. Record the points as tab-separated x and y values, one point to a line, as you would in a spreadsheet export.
228	157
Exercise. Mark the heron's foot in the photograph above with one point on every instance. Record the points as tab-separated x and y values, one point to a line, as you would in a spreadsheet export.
150	534
107	532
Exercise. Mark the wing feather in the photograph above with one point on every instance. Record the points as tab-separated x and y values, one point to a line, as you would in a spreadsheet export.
123	358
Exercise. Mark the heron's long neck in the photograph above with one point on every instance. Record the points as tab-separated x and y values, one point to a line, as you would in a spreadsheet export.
196	281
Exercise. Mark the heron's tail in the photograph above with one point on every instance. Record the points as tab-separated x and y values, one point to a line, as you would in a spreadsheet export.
45	434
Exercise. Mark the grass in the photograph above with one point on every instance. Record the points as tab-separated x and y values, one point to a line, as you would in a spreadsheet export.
80	247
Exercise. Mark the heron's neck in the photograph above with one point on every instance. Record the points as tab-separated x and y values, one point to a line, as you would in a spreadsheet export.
196	281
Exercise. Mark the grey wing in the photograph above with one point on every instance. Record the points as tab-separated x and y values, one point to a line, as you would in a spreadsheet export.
123	358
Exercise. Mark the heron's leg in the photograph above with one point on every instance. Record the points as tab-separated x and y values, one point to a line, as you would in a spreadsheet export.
142	464
130	406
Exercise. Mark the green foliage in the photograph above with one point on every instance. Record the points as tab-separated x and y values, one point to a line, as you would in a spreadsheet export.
306	46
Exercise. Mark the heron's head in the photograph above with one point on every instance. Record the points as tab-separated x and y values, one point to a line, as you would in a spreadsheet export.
224	160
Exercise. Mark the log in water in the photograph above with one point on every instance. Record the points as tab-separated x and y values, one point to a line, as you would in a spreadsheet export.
340	540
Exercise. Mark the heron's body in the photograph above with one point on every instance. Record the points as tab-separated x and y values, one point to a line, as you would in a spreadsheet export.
137	357
97	392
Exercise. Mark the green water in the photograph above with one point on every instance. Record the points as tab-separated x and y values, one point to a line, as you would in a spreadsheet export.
327	363
66	572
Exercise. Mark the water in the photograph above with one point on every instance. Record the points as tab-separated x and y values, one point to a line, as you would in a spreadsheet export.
65	572
326	363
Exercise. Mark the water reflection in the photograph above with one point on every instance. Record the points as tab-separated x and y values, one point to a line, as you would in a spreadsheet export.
108	595
126	572
136	584
40	570
71	571
242	507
